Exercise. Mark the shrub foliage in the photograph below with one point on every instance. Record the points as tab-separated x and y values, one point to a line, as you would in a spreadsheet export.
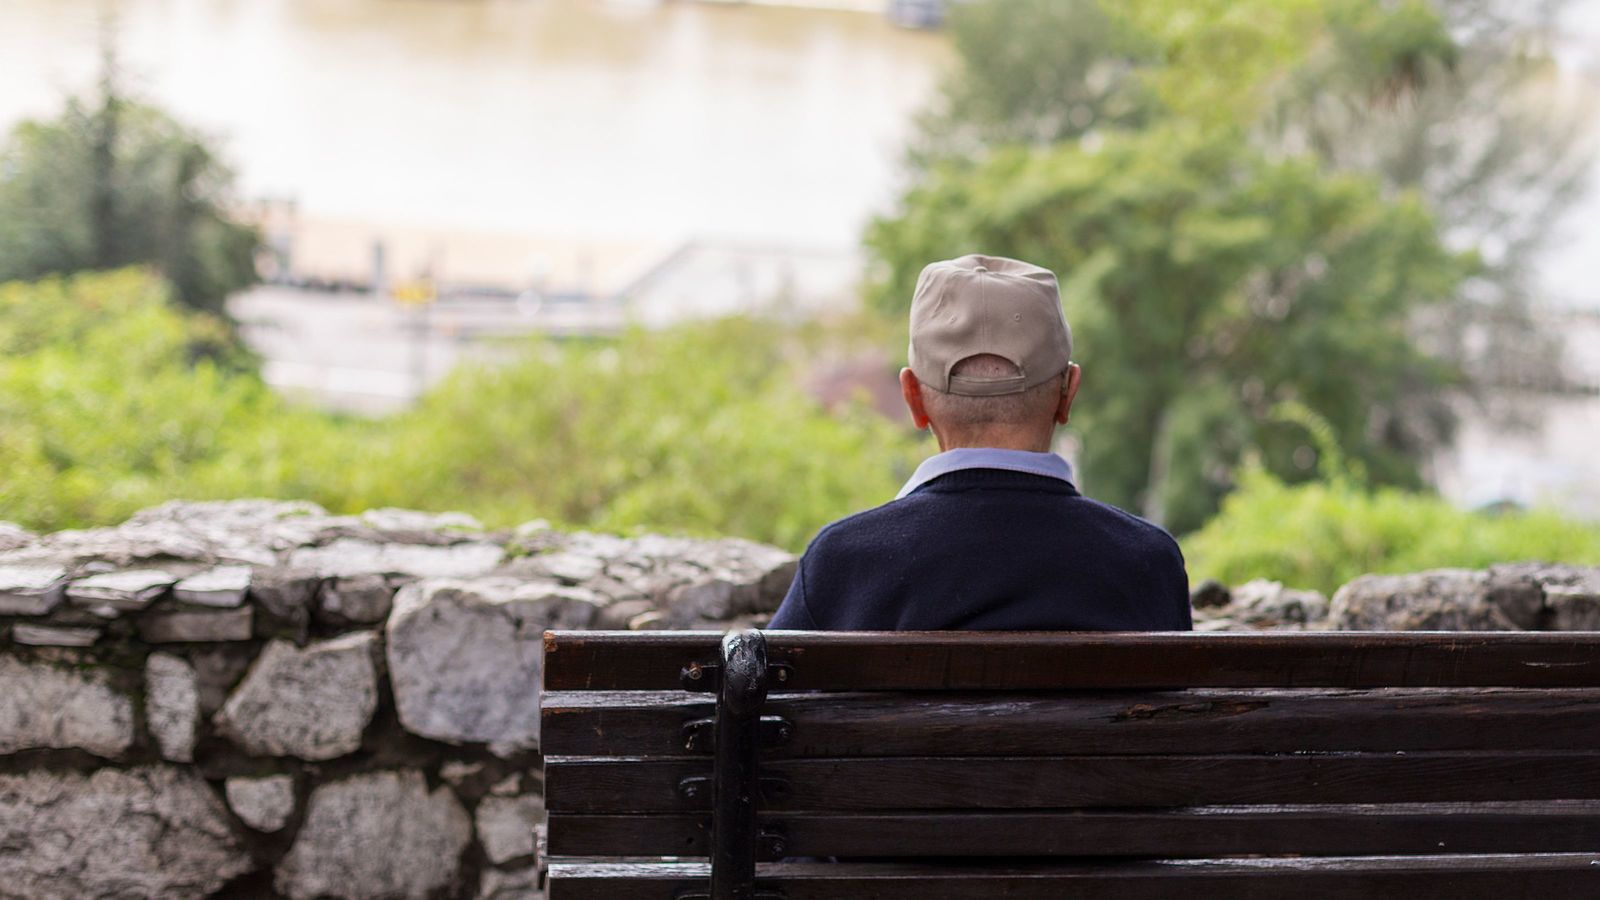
108	405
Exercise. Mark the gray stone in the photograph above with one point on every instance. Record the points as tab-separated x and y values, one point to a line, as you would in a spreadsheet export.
176	626
511	884
617	615
355	600
223	586
217	668
55	635
713	599
509	786
43	707
1574	602
536	536
488	695
599	546
31	590
156	831
1264	603
128	545
312	703
172	705
131	589
1210	594
243	531
14	536
615	590
381	834
1438	600
349	556
569	568
264	804
408	526
767	569
1516	591
654	620
69	616
457	772
285	597
506	826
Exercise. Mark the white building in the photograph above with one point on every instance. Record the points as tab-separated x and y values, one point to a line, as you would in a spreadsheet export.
1550	456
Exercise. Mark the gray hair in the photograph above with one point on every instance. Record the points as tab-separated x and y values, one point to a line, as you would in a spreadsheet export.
1031	407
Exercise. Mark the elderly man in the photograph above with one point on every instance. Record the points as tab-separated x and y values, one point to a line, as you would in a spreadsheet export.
990	534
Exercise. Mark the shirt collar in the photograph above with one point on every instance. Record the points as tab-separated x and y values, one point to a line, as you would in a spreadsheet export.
1047	464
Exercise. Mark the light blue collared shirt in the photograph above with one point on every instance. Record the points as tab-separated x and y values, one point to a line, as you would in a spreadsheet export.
1047	464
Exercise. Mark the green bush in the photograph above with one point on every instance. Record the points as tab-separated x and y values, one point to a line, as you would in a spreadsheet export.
111	399
1322	534
699	429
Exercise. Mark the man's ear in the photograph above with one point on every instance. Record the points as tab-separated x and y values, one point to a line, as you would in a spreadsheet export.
911	390
1069	391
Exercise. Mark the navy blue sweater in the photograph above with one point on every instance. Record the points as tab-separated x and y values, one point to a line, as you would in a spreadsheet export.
990	550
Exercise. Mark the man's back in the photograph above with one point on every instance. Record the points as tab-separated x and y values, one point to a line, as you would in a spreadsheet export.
990	534
990	549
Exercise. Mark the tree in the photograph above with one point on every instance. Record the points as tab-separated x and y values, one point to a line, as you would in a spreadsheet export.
1458	100
113	182
1042	71
1349	124
1069	72
1486	135
1206	284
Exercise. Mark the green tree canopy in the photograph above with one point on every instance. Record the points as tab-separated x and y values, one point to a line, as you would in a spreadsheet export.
111	183
1247	201
1205	284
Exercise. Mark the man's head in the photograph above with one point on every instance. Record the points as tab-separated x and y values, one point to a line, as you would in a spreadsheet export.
990	355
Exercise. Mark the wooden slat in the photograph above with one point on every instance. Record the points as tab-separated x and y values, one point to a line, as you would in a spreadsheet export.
1567	876
1328	830
1204	720
914	661
604	785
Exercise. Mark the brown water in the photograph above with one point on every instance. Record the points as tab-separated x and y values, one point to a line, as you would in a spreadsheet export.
573	117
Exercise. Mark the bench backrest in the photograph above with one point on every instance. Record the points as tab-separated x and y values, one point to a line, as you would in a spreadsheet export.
1345	764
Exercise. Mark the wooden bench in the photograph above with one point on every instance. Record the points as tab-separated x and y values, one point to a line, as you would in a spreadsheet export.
1038	765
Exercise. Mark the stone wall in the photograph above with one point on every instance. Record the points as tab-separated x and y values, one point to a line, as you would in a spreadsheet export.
255	699
1527	596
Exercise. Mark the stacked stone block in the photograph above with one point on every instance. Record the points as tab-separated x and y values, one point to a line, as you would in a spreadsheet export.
264	700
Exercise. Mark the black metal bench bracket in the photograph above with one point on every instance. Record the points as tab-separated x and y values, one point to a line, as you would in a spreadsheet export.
771	788
699	735
735	787
706	677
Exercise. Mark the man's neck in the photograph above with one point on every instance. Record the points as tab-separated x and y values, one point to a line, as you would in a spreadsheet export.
1031	445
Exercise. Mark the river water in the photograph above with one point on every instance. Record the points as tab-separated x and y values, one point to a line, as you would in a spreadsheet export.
563	117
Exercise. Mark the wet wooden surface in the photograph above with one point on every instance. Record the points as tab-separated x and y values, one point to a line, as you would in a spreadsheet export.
1459	877
1146	765
1219	831
630	723
945	661
597	785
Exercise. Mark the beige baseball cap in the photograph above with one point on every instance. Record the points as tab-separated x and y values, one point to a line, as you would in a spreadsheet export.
977	304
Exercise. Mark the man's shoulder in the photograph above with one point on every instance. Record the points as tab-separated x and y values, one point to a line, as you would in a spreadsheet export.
1115	517
866	523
